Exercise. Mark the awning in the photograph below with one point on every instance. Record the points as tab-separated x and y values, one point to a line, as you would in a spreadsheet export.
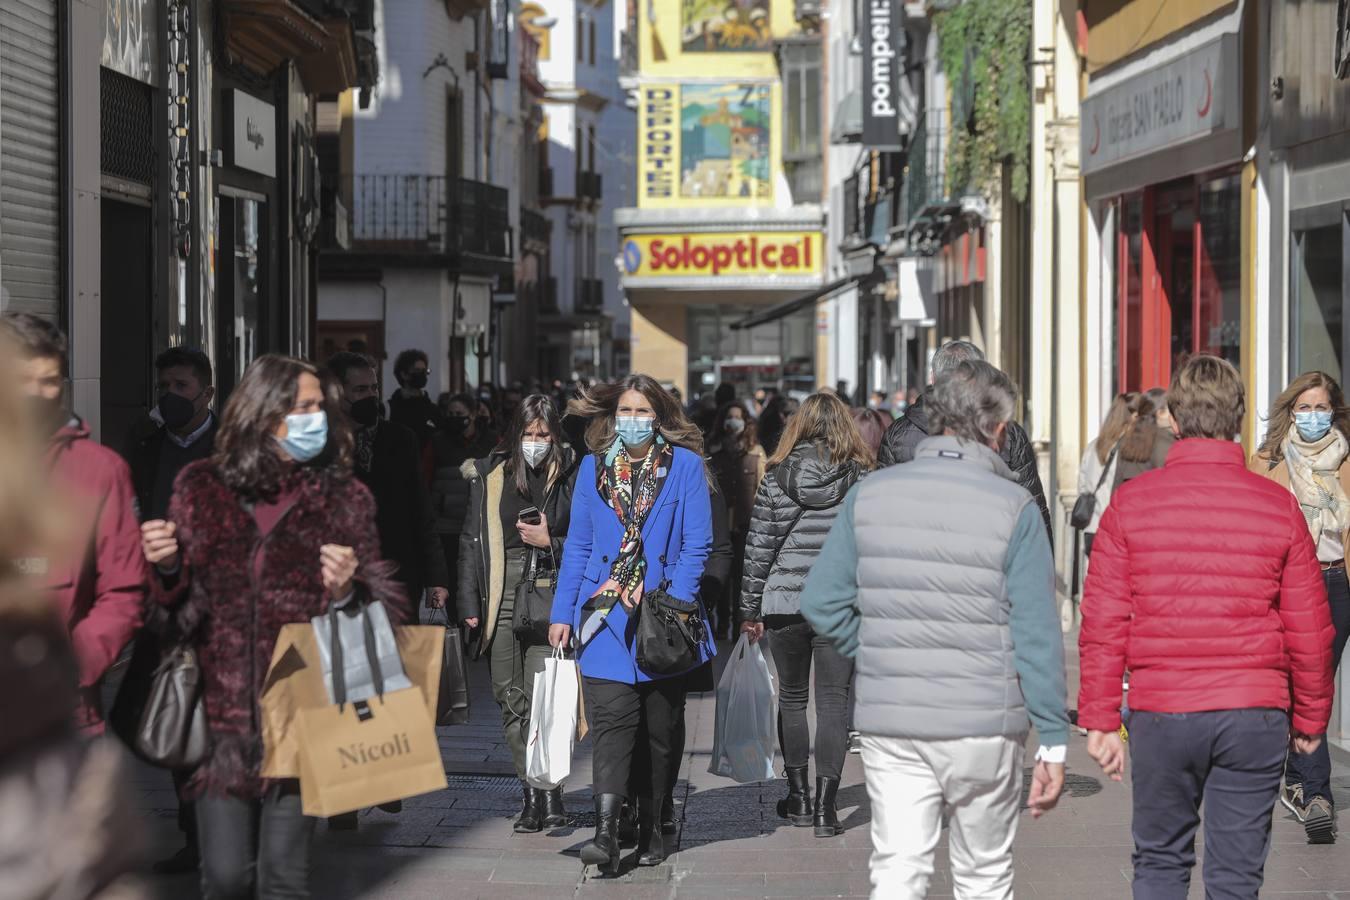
788	307
848	119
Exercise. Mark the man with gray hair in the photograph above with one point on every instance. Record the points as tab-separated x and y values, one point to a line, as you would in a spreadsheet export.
905	433
937	579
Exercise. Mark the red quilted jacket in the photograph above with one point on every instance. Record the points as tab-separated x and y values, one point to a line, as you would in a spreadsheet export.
1205	585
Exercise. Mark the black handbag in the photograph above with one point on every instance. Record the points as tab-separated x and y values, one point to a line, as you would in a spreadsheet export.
1086	504
172	732
452	703
669	633
533	608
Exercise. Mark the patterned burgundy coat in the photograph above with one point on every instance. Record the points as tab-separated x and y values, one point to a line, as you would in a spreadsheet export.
236	616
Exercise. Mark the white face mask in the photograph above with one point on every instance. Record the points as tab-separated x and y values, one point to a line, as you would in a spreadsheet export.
534	452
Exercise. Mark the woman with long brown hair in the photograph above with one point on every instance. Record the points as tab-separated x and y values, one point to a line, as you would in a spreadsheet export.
641	522
270	530
1307	450
821	456
1144	444
1096	473
520	500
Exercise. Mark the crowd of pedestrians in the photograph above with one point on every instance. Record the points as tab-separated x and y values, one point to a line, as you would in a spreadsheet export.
904	560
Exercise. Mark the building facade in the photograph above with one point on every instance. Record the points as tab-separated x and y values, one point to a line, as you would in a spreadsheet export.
158	179
724	225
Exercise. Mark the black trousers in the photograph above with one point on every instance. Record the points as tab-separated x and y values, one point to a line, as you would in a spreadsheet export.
633	726
249	845
795	647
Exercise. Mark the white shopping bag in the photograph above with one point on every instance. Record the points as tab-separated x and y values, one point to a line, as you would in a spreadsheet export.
745	732
553	723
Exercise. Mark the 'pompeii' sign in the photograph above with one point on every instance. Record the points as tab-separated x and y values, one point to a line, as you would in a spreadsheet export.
883	43
1171	105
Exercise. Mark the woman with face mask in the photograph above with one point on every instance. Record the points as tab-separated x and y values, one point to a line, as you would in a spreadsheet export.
453	450
641	522
737	462
520	500
271	529
1306	447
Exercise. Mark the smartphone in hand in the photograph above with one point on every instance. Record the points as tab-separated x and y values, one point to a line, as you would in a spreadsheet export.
530	516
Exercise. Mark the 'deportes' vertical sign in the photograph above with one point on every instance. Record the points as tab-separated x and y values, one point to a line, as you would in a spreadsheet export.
883	59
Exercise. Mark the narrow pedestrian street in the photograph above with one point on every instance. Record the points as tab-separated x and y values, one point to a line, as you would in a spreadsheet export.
458	843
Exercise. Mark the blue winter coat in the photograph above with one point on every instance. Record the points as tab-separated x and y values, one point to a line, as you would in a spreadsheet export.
677	538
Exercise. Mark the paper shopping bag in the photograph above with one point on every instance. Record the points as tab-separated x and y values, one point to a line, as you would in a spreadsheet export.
295	682
369	752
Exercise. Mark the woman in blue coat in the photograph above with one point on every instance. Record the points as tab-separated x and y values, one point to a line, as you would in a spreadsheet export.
641	521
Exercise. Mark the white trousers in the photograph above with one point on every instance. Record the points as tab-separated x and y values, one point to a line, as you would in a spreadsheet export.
913	785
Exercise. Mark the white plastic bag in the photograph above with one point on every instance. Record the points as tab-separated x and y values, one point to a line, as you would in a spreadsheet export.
553	723
745	733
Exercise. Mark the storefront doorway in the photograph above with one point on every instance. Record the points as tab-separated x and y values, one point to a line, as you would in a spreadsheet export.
242	267
1178	271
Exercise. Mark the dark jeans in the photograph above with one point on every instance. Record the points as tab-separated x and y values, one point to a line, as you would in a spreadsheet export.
619	715
794	647
1230	761
1313	770
262	842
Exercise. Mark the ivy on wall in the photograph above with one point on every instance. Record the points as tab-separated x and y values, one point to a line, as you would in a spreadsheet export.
984	48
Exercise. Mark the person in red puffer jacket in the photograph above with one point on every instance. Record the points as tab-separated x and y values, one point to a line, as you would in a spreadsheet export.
1205	586
97	579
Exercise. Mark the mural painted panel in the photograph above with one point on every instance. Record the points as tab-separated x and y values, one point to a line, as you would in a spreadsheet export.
717	26
724	141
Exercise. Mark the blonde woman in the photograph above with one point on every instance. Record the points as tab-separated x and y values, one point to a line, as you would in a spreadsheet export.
1306	449
820	457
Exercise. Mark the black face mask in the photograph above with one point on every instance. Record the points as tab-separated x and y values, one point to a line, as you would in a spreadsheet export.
457	424
176	410
366	411
416	380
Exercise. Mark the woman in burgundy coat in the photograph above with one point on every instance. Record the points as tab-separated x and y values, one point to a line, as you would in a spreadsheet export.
269	531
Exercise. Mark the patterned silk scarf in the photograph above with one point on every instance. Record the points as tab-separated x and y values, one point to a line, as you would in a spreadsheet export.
631	491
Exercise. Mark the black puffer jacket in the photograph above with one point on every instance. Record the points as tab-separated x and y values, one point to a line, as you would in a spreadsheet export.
907	431
794	509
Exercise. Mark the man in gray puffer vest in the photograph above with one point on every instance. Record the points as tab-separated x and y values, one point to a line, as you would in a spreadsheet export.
937	578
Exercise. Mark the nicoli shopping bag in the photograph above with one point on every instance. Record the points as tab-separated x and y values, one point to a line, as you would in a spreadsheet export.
745	730
553	723
362	754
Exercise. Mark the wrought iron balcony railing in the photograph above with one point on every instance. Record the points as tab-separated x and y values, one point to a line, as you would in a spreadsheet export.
430	214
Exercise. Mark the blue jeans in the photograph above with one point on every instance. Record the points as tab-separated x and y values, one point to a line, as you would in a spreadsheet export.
1229	761
1313	770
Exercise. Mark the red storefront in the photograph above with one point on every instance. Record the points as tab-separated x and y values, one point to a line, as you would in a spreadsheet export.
1177	264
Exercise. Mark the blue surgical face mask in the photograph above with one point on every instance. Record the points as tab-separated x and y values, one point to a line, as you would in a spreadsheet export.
1312	426
635	431
306	435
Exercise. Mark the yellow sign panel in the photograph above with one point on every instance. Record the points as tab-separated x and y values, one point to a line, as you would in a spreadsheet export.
758	253
708	144
681	38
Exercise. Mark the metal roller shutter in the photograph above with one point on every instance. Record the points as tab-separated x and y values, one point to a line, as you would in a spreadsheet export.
30	157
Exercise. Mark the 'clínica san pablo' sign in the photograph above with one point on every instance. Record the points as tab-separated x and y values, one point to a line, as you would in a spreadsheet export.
1174	104
883	59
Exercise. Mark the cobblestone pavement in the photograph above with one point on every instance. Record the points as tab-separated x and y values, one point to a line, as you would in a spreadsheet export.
459	843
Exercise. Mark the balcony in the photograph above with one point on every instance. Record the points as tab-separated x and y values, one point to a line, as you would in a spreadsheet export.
927	199
589	186
430	214
529	63
535	229
590	296
319	35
